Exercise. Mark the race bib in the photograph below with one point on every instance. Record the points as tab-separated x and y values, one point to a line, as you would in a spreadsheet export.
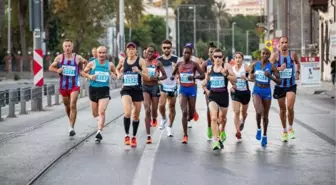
241	85
217	82
287	73
151	71
260	76
102	76
131	80
69	70
169	88
184	78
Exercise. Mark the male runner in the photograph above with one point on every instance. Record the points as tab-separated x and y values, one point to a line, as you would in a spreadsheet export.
168	87
206	67
69	66
99	72
94	54
288	65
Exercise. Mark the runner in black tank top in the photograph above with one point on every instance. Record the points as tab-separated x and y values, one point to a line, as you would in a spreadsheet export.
218	76
131	92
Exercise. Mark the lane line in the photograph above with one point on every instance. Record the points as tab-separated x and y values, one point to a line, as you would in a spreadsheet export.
144	171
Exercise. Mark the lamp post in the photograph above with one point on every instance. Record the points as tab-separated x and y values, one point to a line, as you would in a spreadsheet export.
233	44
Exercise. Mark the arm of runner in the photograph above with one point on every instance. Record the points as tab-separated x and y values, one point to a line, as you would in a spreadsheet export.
201	75
54	66
297	65
119	67
251	73
175	70
163	72
113	71
229	74
87	71
205	82
81	64
273	57
276	76
144	72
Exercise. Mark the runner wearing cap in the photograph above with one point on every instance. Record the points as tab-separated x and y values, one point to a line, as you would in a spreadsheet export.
133	70
186	70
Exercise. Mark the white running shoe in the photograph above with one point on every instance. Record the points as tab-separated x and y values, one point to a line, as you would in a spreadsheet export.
162	124
189	124
169	132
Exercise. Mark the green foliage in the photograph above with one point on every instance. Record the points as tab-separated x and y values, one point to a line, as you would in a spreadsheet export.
256	54
202	49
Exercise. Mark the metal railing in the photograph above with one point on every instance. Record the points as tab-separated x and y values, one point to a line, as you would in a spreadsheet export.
37	96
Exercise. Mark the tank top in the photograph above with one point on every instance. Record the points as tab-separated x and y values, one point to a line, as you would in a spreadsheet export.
241	84
152	68
131	79
185	72
208	68
69	78
218	82
102	72
287	75
168	84
260	73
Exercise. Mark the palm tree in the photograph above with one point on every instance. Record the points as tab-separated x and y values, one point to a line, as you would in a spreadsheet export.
222	17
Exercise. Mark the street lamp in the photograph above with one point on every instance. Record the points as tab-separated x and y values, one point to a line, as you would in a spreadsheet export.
233	46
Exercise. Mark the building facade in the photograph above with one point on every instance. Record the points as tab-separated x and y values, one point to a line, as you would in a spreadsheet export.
246	7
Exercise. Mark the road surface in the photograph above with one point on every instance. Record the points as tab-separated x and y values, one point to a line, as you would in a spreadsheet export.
309	159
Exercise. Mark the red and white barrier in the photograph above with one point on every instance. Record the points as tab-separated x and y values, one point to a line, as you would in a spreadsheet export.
38	68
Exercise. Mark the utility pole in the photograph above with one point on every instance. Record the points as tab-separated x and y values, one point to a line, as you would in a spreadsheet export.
9	37
217	30
121	26
167	28
195	47
302	36
37	15
178	32
268	18
233	38
247	42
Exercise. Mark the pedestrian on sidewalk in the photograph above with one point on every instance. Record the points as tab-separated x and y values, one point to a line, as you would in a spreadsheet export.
333	70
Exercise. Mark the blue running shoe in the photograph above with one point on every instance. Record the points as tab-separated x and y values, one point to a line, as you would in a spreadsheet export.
264	141
258	136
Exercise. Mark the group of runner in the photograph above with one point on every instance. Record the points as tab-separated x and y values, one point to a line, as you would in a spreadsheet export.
157	81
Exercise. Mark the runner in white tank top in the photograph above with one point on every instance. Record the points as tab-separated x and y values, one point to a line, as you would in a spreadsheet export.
240	93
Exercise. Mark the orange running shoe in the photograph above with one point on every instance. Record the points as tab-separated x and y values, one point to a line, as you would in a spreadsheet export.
185	140
154	123
196	116
149	140
127	140
133	142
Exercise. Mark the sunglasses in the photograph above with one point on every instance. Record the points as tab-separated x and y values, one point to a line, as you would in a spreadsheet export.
218	56
165	47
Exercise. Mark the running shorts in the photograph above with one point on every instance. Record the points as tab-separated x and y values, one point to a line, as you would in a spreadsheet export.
67	92
263	93
280	92
153	90
169	92
242	97
97	93
188	91
134	93
221	98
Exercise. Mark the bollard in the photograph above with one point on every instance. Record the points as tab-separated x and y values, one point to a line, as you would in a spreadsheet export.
36	100
49	92
2	102
56	96
11	104
23	94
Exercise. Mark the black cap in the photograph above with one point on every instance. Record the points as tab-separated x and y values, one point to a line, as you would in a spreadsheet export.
130	44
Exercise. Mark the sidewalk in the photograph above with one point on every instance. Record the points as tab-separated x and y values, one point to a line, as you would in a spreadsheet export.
326	88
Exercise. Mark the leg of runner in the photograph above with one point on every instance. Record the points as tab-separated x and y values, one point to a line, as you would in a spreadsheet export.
258	106
266	108
185	116
66	102
162	109
127	105
244	116
155	104
209	131
102	105
147	105
222	122
236	109
214	108
191	107
73	109
172	113
135	122
290	96
283	111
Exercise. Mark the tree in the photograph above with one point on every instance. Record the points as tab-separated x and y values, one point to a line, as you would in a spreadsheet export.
23	9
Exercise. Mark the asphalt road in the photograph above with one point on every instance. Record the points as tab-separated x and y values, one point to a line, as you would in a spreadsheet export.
309	159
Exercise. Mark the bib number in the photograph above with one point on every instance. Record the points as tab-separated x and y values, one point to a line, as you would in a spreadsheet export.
241	85
217	82
260	76
102	76
69	70
169	88
287	73
185	79
131	80
151	71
